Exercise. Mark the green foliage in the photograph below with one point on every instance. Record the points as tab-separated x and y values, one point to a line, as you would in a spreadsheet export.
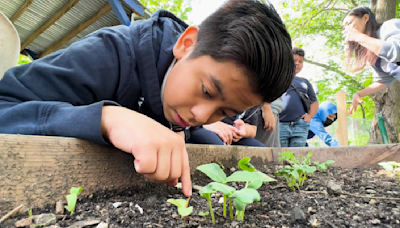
323	166
391	166
311	20
241	197
204	214
180	8
182	204
298	169
214	172
23	59
72	198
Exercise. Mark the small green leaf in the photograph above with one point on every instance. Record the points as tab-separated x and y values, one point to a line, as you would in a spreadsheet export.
239	205
75	190
244	164
177	202
386	166
295	174
246	195
263	177
71	200
225	189
214	172
329	162
185	211
256	184
241	176
201	213
207	190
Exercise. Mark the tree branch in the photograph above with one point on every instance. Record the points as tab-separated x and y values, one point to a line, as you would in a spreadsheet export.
341	73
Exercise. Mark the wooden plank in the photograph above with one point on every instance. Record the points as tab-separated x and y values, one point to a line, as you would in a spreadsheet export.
37	170
103	11
21	10
69	5
342	131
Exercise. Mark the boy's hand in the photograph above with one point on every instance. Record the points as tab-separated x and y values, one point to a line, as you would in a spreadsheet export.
223	130
269	121
240	128
306	118
160	154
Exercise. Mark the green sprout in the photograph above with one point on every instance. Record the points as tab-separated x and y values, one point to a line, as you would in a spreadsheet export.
72	198
322	167
204	214
241	197
391	166
182	204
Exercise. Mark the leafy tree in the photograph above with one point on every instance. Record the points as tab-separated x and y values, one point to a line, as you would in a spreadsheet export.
181	8
23	59
312	20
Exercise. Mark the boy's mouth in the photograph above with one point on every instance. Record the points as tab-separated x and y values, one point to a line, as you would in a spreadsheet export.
180	121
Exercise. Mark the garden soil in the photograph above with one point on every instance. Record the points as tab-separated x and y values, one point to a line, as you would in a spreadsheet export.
280	206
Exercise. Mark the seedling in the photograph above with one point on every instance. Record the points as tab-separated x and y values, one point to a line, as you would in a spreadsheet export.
242	197
30	215
72	198
322	167
182	204
391	166
204	214
295	173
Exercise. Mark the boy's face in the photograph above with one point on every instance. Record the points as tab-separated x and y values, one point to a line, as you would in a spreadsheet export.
298	60
201	90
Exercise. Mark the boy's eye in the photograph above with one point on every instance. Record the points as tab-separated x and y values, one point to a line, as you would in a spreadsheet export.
223	113
206	92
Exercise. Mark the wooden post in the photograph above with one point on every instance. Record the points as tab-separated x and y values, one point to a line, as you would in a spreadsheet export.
341	131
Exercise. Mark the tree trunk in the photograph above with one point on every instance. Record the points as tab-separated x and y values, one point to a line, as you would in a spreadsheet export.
385	101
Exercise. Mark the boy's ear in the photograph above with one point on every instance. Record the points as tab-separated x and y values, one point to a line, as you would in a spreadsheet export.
186	42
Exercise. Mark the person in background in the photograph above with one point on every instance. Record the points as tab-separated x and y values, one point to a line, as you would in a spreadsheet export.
239	130
378	45
326	115
268	123
294	120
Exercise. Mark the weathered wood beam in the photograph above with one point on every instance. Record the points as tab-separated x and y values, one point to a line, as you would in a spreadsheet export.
21	10
49	23
103	11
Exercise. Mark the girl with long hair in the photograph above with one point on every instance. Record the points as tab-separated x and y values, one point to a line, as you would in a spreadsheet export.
375	44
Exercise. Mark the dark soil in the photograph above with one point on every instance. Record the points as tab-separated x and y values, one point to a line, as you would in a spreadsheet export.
279	206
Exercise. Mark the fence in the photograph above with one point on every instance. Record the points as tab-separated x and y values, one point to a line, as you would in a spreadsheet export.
358	132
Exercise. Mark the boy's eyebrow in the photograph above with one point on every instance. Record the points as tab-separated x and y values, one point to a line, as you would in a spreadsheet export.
217	83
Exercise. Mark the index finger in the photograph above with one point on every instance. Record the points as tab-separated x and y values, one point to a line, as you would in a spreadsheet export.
185	176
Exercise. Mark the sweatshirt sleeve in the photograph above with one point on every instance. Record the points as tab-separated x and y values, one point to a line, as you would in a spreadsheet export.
63	94
317	128
390	33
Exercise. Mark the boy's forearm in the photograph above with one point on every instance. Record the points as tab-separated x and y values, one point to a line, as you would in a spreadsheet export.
251	131
313	109
266	107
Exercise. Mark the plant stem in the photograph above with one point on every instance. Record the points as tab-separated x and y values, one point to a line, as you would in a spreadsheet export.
211	211
231	209
224	206
239	215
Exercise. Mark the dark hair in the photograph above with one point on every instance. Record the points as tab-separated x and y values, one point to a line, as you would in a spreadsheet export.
358	55
251	34
298	51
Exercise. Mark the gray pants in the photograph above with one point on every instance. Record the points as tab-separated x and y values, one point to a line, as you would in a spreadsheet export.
269	139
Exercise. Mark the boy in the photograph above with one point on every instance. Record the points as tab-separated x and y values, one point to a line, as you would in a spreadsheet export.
294	120
131	86
236	130
326	115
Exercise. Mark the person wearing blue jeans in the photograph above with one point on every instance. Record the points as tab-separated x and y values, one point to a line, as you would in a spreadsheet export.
326	115
294	120
239	130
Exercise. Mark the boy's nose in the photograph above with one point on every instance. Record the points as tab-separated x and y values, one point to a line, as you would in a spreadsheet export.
202	113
